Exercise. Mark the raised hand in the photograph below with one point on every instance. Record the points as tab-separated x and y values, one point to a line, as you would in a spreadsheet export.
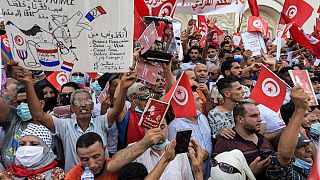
128	78
152	137
21	74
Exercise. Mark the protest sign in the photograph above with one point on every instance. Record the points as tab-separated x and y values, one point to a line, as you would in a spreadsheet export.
147	71
86	36
148	37
153	114
301	78
103	95
254	42
210	7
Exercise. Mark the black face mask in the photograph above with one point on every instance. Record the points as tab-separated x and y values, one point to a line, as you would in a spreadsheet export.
50	103
64	101
2	32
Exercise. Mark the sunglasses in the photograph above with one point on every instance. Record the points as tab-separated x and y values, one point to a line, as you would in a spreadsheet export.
65	95
225	167
78	74
144	98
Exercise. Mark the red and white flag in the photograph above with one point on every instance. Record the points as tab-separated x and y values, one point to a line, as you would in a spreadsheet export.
304	39
57	79
269	90
257	24
297	10
159	7
315	169
181	98
210	7
254	7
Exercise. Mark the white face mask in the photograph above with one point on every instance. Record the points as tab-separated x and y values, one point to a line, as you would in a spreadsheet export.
29	155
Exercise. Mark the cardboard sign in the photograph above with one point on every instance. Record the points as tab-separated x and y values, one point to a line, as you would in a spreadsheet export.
69	35
301	78
153	114
147	71
254	42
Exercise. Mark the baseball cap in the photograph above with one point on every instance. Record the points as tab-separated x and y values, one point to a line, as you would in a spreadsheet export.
138	90
302	140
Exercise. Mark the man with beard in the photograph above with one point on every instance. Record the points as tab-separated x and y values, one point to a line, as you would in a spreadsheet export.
247	139
157	89
220	118
69	130
192	58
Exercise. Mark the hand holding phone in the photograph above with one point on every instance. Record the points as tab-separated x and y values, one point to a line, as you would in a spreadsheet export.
183	140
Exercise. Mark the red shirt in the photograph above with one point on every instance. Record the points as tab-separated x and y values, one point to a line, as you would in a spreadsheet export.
76	172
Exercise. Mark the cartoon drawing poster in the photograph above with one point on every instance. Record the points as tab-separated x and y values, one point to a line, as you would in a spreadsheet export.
70	35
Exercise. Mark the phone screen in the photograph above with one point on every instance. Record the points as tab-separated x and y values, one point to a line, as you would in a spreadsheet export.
183	140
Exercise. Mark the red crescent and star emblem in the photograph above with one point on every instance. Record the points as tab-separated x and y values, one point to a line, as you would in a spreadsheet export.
181	96
270	87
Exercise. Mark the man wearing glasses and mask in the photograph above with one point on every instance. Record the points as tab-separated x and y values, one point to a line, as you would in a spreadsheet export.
127	123
69	130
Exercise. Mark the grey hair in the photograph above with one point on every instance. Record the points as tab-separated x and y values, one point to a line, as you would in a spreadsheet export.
72	98
183	70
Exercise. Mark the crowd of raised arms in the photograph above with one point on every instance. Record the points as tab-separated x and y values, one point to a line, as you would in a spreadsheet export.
72	132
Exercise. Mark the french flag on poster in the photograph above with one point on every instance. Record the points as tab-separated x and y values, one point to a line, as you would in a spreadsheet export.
95	12
67	66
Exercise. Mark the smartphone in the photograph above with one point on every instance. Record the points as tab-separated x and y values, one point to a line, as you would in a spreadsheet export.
156	56
183	140
265	154
62	112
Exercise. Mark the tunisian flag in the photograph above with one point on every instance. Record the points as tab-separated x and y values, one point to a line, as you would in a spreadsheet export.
181	98
306	40
257	24
297	10
57	79
270	90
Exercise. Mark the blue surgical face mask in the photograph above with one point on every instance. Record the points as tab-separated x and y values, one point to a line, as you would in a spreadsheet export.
96	87
315	129
302	164
24	112
138	110
161	146
77	79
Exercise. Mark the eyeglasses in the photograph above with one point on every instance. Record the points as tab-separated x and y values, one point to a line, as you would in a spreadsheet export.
84	101
225	167
78	74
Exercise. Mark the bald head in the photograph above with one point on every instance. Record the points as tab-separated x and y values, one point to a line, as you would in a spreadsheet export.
201	72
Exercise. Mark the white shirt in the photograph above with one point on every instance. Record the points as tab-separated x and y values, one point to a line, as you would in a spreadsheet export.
272	119
177	169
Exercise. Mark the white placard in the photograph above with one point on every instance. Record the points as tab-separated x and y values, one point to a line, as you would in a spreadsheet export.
77	35
209	7
253	41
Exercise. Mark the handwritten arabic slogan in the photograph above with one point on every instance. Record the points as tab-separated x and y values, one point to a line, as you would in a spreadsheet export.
70	35
208	7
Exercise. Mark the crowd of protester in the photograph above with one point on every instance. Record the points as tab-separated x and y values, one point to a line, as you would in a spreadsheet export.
233	137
